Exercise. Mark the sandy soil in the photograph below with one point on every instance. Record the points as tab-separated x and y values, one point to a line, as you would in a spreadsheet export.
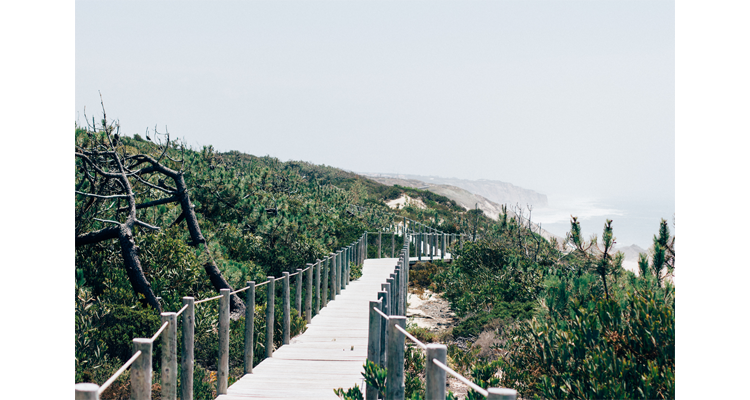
402	201
432	312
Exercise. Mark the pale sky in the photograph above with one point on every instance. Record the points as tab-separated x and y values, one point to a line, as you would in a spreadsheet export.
561	97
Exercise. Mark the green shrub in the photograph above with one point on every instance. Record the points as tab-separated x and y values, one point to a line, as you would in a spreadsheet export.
422	334
422	274
475	324
604	351
123	325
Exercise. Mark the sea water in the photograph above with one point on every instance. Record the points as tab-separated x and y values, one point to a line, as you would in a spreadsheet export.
633	221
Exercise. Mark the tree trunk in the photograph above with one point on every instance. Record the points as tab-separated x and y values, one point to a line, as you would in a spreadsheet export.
237	306
133	267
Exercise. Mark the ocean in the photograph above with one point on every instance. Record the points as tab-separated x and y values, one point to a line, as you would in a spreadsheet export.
633	221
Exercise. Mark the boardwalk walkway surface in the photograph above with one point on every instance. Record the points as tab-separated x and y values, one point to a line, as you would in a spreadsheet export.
328	355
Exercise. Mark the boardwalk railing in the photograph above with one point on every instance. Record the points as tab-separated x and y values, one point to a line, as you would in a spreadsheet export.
386	344
335	270
428	241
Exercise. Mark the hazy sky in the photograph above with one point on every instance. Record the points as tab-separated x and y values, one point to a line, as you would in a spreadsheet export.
562	97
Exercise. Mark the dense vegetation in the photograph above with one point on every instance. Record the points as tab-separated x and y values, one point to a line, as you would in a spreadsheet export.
552	320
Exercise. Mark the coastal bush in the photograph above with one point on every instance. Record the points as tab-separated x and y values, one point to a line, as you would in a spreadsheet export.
421	274
608	351
473	325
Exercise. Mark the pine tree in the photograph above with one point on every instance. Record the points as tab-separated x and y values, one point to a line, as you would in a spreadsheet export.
663	255
604	263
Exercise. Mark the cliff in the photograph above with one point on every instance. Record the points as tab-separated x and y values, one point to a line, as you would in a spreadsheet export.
496	191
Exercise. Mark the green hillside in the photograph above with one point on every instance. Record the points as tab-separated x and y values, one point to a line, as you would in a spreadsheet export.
156	221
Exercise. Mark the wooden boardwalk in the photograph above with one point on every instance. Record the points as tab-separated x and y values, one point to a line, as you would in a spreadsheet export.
328	355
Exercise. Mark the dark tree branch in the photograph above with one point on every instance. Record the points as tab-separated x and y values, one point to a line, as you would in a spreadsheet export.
166	189
96	167
106	221
114	196
97	236
166	200
179	219
147	226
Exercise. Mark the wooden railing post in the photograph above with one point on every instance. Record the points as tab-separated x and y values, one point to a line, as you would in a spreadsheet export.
337	265
405	230
380	237
345	276
442	250
434	375
389	289
270	300
285	302
87	391
308	292
398	274
373	343
222	380
169	357
395	360
501	394
352	261
401	275
317	286
419	239
249	328
401	288
140	370
397	290
393	244
383	299
343	268
333	276
433	242
325	282
406	278
394	293
298	292
188	344
340	271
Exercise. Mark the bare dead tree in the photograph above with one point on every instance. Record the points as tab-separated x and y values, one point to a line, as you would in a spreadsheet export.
108	172
103	160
